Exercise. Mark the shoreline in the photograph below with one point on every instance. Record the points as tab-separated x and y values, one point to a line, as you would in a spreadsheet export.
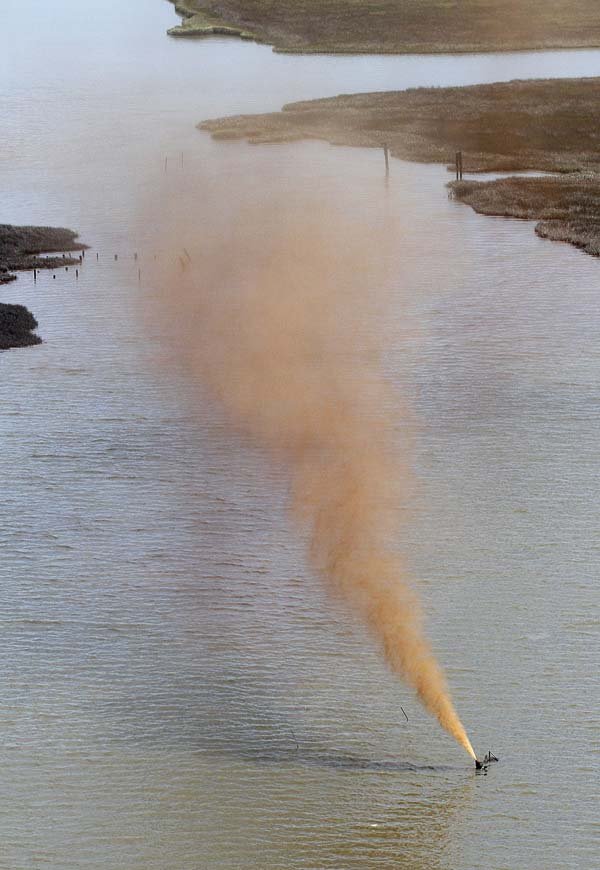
20	246
543	125
19	249
386	28
565	209
435	50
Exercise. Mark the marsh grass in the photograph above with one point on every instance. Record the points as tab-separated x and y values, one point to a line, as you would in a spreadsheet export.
19	247
406	26
567	209
549	124
543	125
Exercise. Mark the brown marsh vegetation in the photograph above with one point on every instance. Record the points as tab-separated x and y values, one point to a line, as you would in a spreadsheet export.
19	247
567	208
544	125
390	26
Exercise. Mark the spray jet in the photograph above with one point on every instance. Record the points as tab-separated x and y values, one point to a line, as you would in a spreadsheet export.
279	327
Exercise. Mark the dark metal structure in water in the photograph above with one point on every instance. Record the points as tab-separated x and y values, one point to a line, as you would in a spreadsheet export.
488	759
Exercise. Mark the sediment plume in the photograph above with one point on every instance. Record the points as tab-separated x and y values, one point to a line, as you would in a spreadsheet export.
277	320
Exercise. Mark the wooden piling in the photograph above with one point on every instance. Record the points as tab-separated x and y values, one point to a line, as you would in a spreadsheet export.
387	160
77	273
459	166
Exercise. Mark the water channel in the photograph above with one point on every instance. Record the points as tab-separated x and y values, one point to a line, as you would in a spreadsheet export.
177	688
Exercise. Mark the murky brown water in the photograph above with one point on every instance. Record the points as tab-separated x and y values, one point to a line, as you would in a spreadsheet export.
173	693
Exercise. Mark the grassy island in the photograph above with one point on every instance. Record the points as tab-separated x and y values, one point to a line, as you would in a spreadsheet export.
20	246
544	125
396	26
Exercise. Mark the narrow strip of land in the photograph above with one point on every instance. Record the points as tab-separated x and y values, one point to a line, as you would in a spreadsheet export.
20	247
396	26
544	125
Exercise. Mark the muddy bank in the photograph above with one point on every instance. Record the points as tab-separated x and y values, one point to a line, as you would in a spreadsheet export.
20	247
16	327
389	26
543	125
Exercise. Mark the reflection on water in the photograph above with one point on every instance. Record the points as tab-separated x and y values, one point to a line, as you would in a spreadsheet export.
164	647
340	761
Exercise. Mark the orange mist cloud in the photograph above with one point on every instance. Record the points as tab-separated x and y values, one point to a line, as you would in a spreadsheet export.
277	321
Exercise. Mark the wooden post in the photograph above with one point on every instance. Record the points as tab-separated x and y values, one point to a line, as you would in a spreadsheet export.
459	166
387	161
35	274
